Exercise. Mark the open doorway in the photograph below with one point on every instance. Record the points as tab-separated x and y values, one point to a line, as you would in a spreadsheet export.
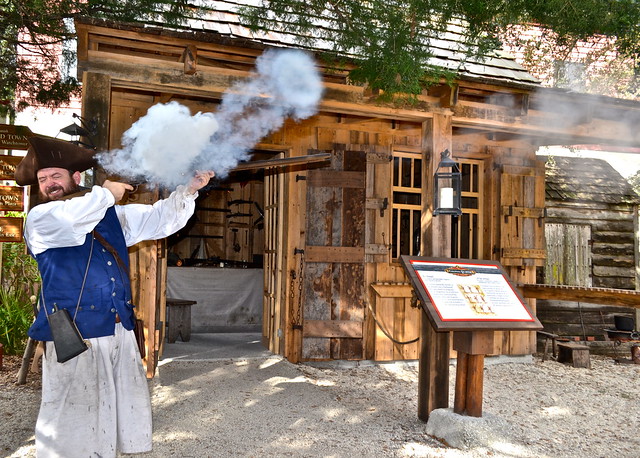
224	258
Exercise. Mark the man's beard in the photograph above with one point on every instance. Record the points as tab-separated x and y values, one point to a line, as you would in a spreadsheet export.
44	197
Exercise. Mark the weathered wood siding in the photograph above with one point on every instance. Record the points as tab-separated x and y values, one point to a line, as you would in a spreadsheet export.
568	254
579	319
613	258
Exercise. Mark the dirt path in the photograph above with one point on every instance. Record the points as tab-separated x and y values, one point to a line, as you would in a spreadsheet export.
267	407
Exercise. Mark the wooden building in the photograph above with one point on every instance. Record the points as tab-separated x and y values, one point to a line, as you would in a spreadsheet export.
332	232
591	236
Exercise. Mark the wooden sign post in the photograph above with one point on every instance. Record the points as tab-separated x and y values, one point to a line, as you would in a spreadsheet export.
472	298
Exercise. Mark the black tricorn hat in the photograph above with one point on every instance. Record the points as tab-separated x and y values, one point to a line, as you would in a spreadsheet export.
46	152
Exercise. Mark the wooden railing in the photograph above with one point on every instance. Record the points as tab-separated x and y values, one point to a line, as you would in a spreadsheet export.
607	296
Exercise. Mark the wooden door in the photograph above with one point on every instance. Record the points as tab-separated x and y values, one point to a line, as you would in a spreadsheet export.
334	258
522	246
568	254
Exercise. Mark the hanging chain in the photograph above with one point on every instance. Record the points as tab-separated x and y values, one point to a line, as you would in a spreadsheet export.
296	312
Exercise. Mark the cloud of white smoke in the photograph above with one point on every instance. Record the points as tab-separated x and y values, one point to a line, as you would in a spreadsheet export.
167	145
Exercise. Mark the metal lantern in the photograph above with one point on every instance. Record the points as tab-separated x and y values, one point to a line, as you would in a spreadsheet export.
447	186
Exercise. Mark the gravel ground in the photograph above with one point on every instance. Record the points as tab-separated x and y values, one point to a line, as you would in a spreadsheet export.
266	407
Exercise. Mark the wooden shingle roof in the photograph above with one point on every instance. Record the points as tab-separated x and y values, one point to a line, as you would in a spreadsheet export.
587	180
222	19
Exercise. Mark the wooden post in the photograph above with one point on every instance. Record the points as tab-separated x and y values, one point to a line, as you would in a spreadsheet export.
433	375
433	380
636	255
460	398
471	347
635	353
474	385
26	357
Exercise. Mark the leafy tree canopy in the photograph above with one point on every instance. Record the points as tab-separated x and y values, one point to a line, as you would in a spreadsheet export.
35	34
392	39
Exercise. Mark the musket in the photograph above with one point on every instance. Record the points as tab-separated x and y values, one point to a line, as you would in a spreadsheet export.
282	162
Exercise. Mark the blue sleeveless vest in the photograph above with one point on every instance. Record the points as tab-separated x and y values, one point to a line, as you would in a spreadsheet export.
107	289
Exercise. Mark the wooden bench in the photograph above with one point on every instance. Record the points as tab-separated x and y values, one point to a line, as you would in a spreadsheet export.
179	319
574	353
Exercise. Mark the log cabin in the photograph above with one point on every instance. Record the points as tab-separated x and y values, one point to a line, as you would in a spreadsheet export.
591	237
326	237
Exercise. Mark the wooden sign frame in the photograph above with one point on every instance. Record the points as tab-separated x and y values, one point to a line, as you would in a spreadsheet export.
14	137
12	198
8	166
11	229
468	295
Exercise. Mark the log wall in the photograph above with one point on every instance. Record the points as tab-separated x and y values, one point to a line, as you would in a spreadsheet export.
613	260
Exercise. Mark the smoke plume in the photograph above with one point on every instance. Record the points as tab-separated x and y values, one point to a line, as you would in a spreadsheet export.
167	145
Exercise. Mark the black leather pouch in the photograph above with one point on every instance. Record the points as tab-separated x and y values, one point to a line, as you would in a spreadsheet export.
66	337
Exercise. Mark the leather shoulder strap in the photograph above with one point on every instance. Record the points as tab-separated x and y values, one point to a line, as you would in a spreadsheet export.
111	250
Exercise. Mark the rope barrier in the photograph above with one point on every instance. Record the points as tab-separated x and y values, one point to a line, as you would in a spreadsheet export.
384	331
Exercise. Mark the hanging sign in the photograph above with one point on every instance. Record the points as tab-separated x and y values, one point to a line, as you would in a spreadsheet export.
11	229
14	137
8	166
468	295
12	198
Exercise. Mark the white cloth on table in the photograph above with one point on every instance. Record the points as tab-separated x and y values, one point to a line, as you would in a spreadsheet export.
96	403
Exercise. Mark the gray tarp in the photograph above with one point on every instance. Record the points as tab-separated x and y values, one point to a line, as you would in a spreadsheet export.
228	299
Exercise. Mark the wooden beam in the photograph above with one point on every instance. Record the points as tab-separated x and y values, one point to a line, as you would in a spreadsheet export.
447	94
152	74
335	179
607	296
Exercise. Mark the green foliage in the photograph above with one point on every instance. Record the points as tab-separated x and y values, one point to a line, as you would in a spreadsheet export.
19	270
43	30
16	315
393	41
20	281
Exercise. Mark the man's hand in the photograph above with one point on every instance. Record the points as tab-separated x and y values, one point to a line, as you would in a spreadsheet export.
199	180
116	188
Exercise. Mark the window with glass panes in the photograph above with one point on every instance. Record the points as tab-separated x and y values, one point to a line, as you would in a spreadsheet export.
469	227
407	207
407	204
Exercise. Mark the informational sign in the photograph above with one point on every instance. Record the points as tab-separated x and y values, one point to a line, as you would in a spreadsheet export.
14	137
8	166
469	295
12	198
11	229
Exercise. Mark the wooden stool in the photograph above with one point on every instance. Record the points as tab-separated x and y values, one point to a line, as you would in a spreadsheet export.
179	319
575	353
549	337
